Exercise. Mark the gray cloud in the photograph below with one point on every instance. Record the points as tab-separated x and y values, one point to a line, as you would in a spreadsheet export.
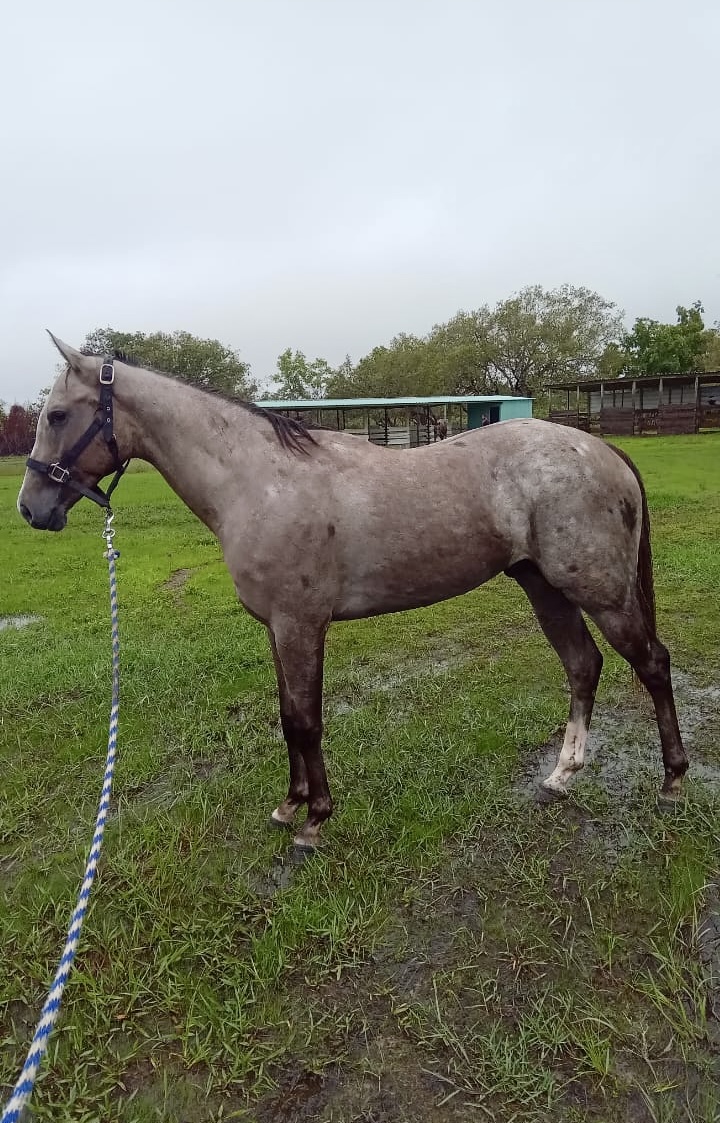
323	174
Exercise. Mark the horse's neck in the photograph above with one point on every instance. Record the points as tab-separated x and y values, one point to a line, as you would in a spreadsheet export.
206	448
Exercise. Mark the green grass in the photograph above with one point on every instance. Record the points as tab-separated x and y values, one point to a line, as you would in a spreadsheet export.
456	952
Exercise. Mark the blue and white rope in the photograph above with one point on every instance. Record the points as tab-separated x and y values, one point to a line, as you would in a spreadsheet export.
51	1009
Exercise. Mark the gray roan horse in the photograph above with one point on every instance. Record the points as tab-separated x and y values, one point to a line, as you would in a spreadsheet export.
318	526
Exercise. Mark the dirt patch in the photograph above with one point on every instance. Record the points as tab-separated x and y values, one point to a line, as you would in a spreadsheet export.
8	862
301	1096
167	787
158	1089
179	578
385	1079
709	951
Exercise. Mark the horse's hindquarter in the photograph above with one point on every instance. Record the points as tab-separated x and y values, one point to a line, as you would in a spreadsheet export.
579	510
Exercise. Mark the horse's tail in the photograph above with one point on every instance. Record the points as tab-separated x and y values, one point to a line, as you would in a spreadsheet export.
645	583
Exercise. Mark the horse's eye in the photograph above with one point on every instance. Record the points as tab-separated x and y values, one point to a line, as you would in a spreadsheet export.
57	417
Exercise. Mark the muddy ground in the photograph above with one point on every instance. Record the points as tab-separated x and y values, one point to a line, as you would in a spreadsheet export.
448	975
472	1003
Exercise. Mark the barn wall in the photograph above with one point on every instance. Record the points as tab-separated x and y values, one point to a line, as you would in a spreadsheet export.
515	407
681	395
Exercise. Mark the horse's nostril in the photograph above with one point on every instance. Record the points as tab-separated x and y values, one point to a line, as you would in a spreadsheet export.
25	512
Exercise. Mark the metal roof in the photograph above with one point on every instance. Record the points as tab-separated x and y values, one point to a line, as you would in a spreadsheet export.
592	385
381	403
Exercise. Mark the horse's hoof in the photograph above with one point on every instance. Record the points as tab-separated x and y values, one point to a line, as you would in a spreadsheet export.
278	824
669	803
545	795
301	852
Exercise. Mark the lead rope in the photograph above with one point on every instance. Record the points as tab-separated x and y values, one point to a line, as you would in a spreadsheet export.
50	1011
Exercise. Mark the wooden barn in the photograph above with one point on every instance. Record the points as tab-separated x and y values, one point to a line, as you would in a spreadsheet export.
404	422
663	404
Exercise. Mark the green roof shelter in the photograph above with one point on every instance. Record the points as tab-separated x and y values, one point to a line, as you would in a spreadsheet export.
404	422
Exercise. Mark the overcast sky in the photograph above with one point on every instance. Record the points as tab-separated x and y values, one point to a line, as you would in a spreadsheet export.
323	174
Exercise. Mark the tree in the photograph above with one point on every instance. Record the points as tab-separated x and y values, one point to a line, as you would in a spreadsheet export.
401	369
17	434
612	362
205	362
340	384
459	354
409	366
518	346
299	378
542	336
710	358
655	348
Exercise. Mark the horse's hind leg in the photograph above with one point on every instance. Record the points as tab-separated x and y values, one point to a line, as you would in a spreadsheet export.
630	635
564	627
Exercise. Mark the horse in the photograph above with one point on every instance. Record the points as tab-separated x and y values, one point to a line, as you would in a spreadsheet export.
557	510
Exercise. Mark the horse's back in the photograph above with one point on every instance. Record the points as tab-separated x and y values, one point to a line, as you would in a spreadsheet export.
524	463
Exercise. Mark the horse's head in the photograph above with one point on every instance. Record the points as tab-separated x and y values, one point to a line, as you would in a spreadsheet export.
75	444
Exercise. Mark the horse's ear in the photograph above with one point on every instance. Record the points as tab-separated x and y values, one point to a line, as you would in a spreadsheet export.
72	357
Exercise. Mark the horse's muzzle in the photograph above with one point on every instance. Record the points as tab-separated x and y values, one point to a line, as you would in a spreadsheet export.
55	519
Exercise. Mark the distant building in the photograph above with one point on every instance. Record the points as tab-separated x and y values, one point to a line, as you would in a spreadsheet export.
664	404
404	422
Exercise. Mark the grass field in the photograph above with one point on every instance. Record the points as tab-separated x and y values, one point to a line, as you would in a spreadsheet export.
458	951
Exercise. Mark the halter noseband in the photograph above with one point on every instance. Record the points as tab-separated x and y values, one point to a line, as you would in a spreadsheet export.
59	471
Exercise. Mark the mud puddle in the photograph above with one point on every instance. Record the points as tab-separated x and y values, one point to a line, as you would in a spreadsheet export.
282	873
18	622
623	747
432	665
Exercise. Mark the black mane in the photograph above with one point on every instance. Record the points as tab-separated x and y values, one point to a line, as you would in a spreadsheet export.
293	435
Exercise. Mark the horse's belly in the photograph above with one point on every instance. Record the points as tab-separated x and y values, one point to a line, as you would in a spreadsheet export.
413	584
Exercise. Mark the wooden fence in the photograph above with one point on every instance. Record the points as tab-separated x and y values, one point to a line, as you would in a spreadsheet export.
401	436
617	422
673	420
665	420
572	417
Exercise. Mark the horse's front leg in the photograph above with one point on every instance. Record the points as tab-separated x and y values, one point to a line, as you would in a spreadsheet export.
298	790
298	654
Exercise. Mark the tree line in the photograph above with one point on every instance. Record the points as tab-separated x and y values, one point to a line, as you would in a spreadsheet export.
17	429
520	345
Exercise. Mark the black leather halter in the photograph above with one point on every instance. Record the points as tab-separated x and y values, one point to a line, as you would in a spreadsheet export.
59	470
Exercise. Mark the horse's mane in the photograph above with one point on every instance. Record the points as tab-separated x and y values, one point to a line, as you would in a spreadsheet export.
293	435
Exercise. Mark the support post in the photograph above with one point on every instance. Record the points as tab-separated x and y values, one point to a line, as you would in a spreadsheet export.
697	403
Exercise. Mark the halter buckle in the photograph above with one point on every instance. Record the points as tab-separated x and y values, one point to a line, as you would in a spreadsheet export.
107	374
58	474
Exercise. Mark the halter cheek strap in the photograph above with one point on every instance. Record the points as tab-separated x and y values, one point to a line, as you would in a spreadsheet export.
59	470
